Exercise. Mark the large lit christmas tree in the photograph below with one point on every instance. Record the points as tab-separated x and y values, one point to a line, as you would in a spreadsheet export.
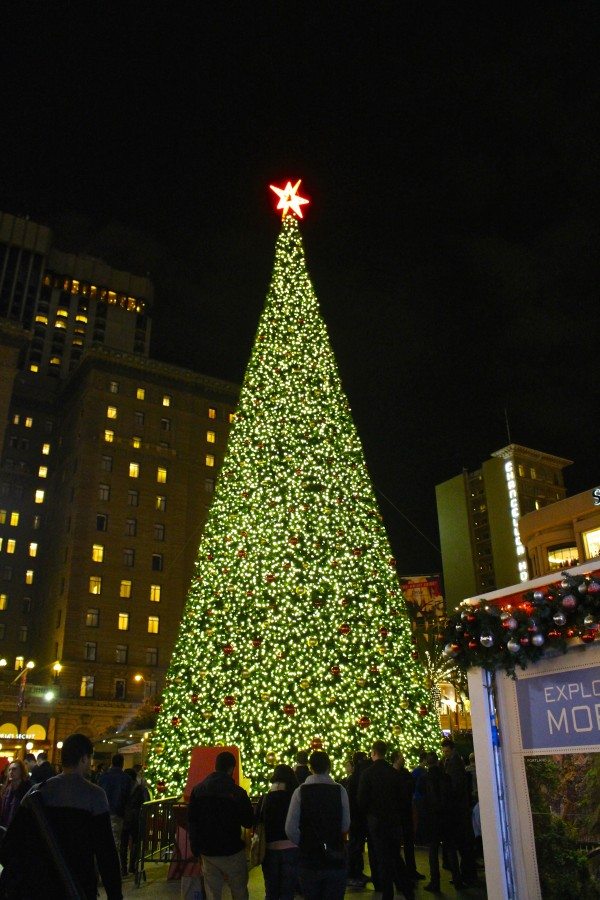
295	633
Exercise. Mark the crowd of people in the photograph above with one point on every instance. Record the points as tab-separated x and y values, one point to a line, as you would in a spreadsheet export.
306	816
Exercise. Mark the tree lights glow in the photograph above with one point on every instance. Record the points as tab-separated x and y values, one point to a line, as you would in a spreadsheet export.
295	633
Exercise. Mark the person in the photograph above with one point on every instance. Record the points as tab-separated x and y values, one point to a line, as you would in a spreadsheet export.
217	812
471	771
357	834
380	798
418	773
131	820
67	840
14	790
30	761
43	769
463	835
280	865
407	814
437	822
117	786
301	770
318	817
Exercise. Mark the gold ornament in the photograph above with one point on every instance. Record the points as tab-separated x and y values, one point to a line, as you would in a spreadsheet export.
361	682
264	696
246	673
271	758
202	674
312	642
305	684
381	649
207	714
396	730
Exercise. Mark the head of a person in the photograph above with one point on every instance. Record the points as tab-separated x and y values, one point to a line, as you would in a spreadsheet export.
225	763
378	750
29	761
77	752
302	758
431	759
283	774
447	746
422	757
17	773
118	760
471	759
397	759
42	757
319	762
359	758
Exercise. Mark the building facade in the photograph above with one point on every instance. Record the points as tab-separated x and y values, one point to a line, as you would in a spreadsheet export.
109	460
478	516
562	535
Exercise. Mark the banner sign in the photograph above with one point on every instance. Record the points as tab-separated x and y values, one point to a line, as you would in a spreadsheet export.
560	712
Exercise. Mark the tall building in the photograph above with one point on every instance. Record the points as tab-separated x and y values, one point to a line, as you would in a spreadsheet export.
108	465
478	516
562	535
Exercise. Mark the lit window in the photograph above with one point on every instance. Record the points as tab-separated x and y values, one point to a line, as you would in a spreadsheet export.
39	496
159	531
34	367
533	473
87	686
3	601
136	442
140	394
10	545
28	422
166	400
111	412
109	436
134	470
212	412
62	312
43	320
16	419
591	543
161	474
97	552
155	593
89	650
211	437
114	385
46	449
92	618
29	576
14	519
161	503
125	589
43	472
123	621
210	460
55	360
231	418
153	622
60	324
33	548
19	663
95	584
2	517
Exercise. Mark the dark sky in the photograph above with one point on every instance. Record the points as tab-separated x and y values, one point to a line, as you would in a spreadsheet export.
453	233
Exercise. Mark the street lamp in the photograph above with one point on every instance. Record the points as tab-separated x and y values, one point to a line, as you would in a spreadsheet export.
57	669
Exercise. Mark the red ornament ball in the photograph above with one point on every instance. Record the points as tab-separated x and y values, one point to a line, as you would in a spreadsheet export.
364	722
383	632
356	551
242	554
316	744
593	587
289	709
229	701
293	540
588	637
256	642
160	787
335	670
175	721
270	578
415	654
374	670
554	634
344	628
227	649
194	698
345	601
423	710
157	708
392	562
472	645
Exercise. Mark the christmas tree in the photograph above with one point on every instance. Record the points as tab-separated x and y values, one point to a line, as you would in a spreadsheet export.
295	633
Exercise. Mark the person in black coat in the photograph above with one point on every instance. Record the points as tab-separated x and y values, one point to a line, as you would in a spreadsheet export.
358	823
438	820
407	814
280	864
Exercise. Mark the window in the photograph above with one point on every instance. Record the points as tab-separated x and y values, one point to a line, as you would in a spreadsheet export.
533	473
109	436
92	618
101	522
14	519
136	442
155	593
210	460
209	485
212	412
29	576
43	472
106	463
33	548
159	531
157	562
128	556
3	601
161	474
113	385
140	394
120	688
121	653
6	573
2	517
28	422
153	623
591	543
132	498
104	492
211	437
39	496
149	689
37	521
11	545
89	651
123	621
19	663
165	424
231	418
97	552
87	686
95	584
151	656
131	527
134	470
161	503
26	606
111	412
166	400
138	418
16	419
23	630
125	589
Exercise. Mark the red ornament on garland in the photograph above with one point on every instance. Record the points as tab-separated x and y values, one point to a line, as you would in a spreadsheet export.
593	587
364	722
472	645
588	637
344	628
554	634
293	540
289	709
229	701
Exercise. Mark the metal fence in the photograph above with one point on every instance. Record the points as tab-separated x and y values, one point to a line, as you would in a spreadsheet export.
157	842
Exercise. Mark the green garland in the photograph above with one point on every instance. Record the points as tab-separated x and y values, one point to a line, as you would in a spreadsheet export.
493	637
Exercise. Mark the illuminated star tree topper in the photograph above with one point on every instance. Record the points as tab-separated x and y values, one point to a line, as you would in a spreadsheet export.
289	198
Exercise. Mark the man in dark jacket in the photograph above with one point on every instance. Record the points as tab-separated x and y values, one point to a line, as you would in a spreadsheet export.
406	813
380	798
217	812
42	770
118	787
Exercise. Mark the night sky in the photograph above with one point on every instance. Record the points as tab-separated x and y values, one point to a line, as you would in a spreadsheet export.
453	232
